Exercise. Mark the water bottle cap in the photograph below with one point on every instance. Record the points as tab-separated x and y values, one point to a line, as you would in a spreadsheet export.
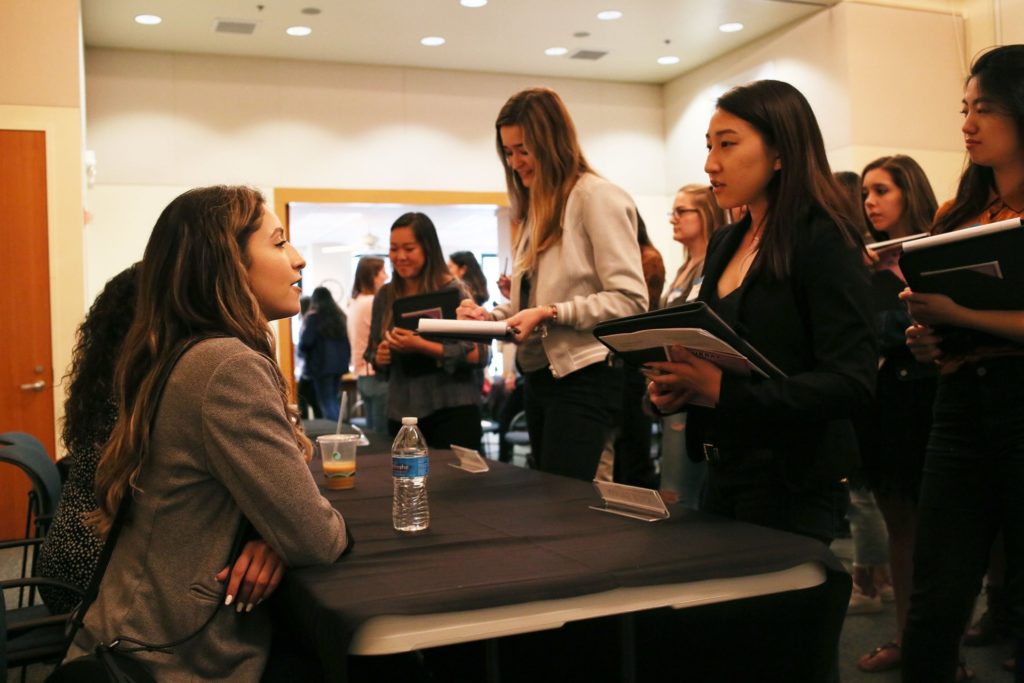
410	420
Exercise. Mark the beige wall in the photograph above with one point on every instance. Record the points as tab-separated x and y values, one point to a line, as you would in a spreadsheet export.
41	41
161	122
874	91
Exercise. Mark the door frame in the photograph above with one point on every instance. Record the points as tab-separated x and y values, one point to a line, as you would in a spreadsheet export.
283	196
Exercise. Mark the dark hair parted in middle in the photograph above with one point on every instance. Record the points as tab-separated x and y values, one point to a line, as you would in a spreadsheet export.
434	274
784	119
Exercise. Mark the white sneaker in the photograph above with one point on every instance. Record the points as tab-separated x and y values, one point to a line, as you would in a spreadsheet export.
861	603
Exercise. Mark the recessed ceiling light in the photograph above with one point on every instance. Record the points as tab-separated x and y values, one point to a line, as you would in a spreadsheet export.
148	19
731	27
432	41
472	3
668	59
609	15
299	31
556	51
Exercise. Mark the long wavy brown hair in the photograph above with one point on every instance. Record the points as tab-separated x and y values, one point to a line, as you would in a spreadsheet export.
549	135
192	282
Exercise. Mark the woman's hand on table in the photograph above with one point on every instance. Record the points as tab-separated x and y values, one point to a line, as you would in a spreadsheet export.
253	577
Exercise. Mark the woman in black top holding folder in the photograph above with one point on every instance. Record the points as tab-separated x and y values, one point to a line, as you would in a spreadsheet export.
974	471
790	279
438	382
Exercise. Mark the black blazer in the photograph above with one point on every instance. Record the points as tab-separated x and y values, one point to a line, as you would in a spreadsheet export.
817	325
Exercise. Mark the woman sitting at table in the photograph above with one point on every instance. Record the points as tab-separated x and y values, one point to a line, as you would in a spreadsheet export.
790	279
437	382
220	444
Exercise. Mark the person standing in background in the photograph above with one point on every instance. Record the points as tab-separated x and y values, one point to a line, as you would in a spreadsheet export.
324	346
898	201
974	466
435	381
306	394
373	390
695	217
577	263
464	266
631	448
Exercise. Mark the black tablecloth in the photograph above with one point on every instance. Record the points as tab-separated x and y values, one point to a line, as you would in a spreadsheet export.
509	536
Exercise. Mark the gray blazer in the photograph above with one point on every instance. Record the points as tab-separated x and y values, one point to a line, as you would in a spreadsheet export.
592	273
222	448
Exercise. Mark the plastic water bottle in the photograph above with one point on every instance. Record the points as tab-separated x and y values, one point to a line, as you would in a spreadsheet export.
410	464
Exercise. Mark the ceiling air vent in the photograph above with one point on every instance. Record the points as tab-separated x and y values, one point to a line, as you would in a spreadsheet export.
236	26
592	55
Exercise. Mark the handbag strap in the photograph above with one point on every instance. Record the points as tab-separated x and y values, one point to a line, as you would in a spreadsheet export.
77	620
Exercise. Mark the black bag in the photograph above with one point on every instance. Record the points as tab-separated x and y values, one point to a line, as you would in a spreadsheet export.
105	665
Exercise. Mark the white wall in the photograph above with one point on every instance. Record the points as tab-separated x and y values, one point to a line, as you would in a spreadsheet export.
880	80
163	122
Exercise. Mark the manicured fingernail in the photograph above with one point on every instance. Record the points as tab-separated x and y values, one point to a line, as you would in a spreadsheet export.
240	607
248	608
229	599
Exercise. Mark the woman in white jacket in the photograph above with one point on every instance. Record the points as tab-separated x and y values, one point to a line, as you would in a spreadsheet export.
577	262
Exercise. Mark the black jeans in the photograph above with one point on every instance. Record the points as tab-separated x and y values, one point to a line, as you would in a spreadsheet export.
570	419
459	425
973	487
748	486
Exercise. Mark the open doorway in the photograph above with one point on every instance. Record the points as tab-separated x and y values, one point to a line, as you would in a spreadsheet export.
334	228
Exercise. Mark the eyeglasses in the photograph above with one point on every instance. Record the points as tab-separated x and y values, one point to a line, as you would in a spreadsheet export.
679	212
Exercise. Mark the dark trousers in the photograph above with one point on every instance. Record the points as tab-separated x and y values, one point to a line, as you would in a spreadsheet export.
571	418
633	464
328	395
307	398
973	487
748	486
443	428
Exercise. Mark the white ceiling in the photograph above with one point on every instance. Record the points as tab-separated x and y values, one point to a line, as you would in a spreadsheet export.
506	36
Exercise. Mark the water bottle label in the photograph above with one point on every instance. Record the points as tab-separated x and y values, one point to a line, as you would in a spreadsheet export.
416	466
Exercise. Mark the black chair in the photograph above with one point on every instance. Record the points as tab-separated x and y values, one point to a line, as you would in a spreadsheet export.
518	437
32	459
31	634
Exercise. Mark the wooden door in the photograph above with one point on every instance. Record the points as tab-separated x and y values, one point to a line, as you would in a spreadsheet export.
26	362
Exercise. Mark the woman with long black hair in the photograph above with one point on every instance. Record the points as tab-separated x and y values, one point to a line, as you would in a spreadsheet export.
789	277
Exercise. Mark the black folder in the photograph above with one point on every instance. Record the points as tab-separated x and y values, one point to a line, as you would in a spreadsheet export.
407	312
695	315
980	268
440	304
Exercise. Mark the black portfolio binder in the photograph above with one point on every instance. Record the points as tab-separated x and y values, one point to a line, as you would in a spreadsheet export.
692	325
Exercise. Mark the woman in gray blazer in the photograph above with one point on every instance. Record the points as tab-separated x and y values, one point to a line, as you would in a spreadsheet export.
219	446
